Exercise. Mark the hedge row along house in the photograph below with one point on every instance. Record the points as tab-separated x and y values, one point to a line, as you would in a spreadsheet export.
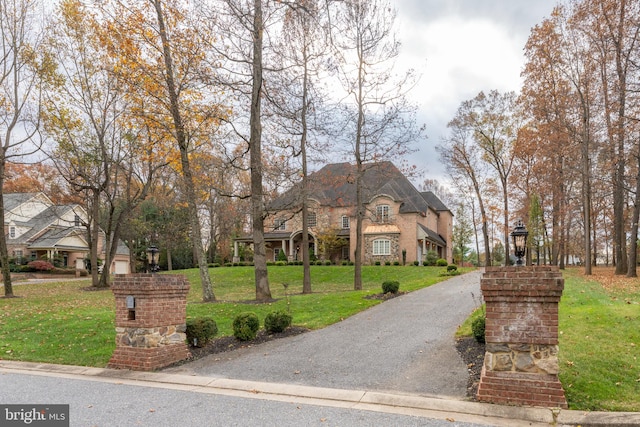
36	229
401	223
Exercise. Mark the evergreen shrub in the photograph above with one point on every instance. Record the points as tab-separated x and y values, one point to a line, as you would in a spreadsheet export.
277	321
201	330
390	286
245	326
478	328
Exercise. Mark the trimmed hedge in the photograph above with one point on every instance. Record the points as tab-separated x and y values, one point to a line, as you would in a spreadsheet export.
390	286
201	330
246	326
277	321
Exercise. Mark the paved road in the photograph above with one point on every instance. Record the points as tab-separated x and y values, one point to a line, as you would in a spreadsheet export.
403	345
126	403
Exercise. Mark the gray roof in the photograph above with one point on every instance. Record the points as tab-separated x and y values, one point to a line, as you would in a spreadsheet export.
52	236
13	200
334	185
40	222
433	236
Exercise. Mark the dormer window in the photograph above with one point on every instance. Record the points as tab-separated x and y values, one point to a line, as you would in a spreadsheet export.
76	221
382	213
12	231
280	225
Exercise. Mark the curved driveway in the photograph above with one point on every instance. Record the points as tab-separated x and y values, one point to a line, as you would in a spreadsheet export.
403	345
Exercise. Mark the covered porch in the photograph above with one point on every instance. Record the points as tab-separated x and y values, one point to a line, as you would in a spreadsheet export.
428	240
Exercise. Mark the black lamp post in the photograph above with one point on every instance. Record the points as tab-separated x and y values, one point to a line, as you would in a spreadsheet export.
519	236
152	251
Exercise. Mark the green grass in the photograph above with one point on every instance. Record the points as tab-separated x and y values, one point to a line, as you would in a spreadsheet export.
599	341
600	345
61	323
599	325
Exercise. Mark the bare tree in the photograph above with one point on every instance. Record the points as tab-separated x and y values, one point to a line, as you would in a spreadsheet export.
462	159
22	70
297	101
379	121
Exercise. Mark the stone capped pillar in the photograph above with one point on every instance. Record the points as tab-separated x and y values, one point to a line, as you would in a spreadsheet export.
150	320
521	360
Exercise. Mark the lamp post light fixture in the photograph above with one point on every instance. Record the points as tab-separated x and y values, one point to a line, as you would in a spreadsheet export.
152	251
519	236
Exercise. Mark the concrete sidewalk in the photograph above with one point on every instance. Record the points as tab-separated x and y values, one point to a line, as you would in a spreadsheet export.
390	403
397	357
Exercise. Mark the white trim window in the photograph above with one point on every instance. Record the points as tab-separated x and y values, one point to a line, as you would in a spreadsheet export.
345	222
382	213
280	225
382	247
12	231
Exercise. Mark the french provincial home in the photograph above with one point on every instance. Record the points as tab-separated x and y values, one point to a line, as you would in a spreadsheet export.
400	223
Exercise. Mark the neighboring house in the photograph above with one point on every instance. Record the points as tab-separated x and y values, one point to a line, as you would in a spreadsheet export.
398	218
36	228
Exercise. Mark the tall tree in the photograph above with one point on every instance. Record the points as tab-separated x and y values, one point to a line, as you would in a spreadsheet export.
244	27
463	161
495	123
22	68
99	151
298	99
379	121
160	53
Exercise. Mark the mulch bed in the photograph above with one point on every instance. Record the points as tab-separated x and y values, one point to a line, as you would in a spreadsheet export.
472	352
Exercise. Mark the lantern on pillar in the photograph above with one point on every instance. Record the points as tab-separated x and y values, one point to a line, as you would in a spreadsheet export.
152	252
519	236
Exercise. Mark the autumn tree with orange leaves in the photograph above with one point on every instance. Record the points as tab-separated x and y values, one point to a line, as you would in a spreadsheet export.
101	152
159	53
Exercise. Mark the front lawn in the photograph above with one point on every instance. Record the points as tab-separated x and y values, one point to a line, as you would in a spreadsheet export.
62	323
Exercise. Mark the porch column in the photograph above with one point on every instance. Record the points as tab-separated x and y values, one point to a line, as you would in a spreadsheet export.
284	246
236	258
291	250
424	249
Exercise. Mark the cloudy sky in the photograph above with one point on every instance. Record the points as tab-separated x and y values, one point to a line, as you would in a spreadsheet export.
461	47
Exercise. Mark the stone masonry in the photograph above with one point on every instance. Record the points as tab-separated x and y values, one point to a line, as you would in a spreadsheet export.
521	359
150	321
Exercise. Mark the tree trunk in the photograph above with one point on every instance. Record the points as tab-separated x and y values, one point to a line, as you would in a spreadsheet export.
263	293
181	137
4	252
633	250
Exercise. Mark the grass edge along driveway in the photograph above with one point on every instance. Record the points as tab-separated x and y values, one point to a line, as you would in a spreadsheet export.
599	320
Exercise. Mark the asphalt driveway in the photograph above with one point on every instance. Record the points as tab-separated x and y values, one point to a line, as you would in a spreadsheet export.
405	344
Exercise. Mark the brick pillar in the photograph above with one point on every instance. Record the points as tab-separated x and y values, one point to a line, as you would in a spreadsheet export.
521	360
150	320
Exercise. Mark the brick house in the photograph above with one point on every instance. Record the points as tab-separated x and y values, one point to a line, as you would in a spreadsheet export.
398	218
36	228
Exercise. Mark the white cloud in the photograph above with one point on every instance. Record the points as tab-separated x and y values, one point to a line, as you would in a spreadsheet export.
460	49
